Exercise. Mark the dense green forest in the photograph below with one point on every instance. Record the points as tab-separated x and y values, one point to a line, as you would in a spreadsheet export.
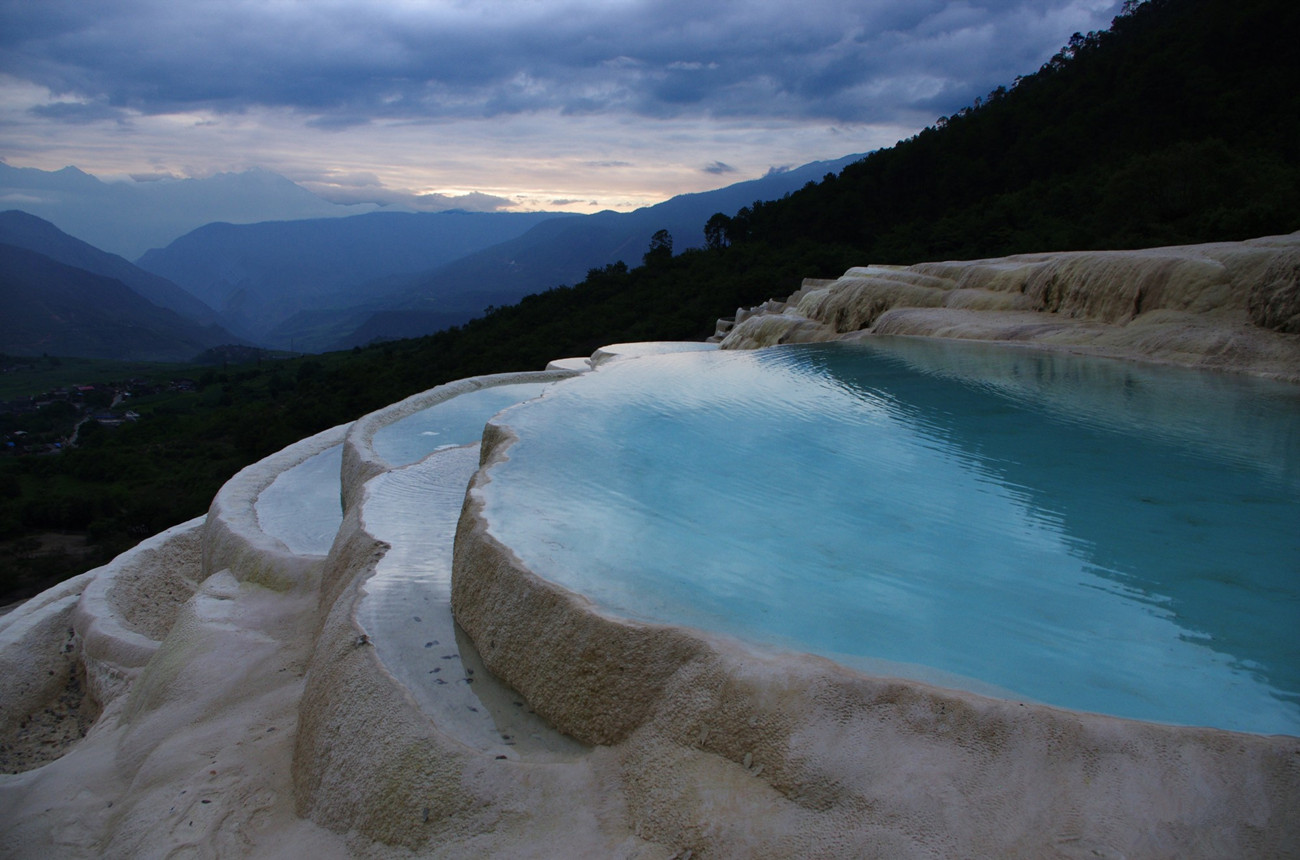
1180	124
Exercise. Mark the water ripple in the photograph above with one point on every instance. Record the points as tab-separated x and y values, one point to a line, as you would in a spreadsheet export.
973	513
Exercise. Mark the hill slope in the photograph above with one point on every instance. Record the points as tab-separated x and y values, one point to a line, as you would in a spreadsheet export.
49	307
36	234
563	251
258	275
1181	124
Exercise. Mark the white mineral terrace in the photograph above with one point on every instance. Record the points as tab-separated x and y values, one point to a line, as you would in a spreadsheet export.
283	677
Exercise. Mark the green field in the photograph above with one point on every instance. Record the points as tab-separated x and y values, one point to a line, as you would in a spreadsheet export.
48	373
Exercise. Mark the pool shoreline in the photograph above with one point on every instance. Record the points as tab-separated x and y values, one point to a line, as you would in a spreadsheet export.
851	753
246	711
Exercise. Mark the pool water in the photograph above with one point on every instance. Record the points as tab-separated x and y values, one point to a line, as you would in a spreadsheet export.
301	507
453	422
1092	534
406	611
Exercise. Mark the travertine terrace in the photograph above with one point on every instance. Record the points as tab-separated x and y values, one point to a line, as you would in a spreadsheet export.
1231	306
236	704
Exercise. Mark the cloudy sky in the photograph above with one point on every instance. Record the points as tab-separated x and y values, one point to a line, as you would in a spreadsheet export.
571	105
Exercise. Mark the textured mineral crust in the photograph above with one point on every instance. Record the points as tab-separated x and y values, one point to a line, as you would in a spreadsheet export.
1232	306
211	693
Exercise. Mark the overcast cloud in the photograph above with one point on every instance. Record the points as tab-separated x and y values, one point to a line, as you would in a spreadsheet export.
521	102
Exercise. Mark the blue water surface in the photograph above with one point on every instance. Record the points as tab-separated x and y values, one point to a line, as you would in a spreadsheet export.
449	423
301	507
1094	534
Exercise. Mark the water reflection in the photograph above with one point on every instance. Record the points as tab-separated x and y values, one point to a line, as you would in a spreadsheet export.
951	515
449	423
407	613
301	507
1176	486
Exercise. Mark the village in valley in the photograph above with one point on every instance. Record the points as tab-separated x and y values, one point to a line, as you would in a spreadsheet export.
55	419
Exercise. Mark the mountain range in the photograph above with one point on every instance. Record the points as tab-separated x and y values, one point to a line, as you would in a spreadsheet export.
50	307
335	283
36	234
312	284
129	218
259	275
62	296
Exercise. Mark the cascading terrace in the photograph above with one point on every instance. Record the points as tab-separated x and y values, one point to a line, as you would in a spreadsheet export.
285	676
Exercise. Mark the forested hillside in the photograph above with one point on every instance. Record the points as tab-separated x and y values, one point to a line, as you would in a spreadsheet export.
1181	124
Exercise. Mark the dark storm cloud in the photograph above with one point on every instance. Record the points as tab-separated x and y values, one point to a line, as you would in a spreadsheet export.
79	113
351	62
718	168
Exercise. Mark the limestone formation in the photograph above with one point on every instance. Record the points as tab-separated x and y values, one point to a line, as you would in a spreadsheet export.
1227	306
233	702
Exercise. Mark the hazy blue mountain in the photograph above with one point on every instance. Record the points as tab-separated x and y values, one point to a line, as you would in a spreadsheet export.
128	218
259	275
36	234
50	307
327	283
560	251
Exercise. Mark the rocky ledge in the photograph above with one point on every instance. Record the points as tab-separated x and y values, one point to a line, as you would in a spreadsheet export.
1231	306
213	693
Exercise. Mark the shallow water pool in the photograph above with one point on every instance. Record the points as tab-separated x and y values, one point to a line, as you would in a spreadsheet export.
301	507
456	421
1093	534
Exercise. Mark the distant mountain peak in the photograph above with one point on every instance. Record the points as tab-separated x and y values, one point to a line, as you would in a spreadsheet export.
130	217
311	281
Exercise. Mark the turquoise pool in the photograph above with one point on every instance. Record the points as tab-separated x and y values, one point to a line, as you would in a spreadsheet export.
1092	534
